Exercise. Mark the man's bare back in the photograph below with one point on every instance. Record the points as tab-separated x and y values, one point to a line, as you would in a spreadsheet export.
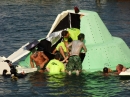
39	58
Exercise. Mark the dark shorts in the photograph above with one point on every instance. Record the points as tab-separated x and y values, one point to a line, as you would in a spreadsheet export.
38	67
74	63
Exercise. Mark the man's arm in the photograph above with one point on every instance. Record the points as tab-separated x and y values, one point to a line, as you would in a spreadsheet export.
46	59
31	62
84	47
66	44
48	66
70	44
54	51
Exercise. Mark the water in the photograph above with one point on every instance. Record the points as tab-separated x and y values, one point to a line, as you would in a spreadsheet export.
22	21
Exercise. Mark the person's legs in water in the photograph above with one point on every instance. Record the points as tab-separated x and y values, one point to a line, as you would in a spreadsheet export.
77	65
70	65
77	72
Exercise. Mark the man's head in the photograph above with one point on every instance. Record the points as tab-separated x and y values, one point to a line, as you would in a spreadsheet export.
57	56
4	72
119	67
76	9
70	39
65	34
9	62
35	54
105	70
81	36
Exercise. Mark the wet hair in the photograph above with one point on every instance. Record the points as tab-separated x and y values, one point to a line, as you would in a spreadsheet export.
81	36
64	33
76	9
57	56
8	61
120	66
4	72
105	70
70	39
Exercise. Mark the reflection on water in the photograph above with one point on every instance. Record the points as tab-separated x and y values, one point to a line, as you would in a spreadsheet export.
84	85
22	21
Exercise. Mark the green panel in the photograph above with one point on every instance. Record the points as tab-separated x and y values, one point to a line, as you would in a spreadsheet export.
94	29
26	62
111	53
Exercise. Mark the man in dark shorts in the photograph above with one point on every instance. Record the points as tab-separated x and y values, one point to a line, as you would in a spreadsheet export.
74	62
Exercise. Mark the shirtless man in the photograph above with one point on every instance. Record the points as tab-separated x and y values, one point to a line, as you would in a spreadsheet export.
40	60
74	62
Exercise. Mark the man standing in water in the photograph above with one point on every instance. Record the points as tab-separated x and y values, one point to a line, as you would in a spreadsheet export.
40	59
55	66
74	62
